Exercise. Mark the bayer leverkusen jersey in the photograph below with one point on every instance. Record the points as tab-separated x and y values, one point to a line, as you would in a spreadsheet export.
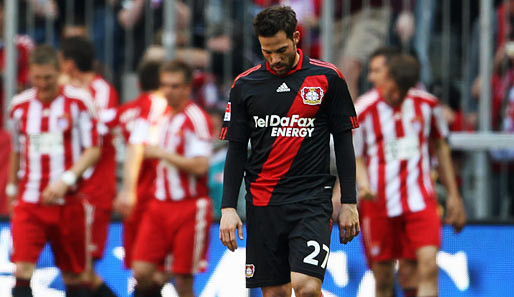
288	120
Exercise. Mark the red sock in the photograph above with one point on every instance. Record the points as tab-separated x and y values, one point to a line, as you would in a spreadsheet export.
411	292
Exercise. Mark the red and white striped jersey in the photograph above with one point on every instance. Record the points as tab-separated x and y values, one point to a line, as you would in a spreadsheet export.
187	133
147	108
99	184
394	143
50	137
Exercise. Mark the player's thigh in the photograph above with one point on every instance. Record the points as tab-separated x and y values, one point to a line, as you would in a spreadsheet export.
69	239
383	271
267	249
427	259
190	244
277	291
28	233
305	285
309	239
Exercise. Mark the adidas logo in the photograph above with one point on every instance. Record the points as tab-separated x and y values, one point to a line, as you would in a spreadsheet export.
283	88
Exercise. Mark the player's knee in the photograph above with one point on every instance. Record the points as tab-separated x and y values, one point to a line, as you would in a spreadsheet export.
24	270
184	285
308	289
427	266
70	278
407	274
143	274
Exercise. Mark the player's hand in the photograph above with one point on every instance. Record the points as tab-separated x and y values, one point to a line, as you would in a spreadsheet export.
153	152
54	192
124	203
229	222
348	220
455	213
11	202
366	193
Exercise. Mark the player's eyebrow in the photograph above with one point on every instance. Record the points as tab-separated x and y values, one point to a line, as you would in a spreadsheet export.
277	50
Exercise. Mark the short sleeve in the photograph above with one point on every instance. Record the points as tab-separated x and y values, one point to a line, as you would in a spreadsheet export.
439	128
358	142
341	112
13	126
236	126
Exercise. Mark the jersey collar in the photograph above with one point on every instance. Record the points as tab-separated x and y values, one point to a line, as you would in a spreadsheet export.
298	66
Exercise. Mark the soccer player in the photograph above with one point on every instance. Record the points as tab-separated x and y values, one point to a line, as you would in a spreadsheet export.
287	106
99	187
54	141
398	123
139	174
175	228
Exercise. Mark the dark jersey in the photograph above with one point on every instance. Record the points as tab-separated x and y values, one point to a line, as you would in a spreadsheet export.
288	121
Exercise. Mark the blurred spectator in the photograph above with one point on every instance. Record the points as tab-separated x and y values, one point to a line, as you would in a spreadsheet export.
217	162
360	30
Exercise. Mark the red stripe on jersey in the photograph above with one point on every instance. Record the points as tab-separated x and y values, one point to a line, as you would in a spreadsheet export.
182	175
68	149
327	65
247	72
400	133
23	182
381	182
284	149
421	182
45	158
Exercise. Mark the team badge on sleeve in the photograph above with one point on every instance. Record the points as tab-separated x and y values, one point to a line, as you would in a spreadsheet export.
312	95
227	112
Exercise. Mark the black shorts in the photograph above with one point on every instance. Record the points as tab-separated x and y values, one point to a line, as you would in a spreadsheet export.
287	238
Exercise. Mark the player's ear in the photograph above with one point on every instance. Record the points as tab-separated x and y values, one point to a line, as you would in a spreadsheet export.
296	37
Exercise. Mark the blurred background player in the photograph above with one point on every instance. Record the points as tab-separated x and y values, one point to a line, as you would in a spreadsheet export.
178	220
55	138
398	123
77	56
144	171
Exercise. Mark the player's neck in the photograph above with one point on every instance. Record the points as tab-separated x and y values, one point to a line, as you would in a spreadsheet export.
49	96
296	60
179	106
86	77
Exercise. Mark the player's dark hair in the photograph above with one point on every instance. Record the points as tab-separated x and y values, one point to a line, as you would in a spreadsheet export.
44	55
178	66
274	19
404	70
385	51
148	75
80	50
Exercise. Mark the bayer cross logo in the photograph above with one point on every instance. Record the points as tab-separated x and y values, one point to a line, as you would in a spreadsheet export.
312	95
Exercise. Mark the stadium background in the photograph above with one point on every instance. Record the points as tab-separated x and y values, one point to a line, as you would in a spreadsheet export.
466	53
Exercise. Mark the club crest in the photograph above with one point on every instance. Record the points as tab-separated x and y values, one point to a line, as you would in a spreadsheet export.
312	95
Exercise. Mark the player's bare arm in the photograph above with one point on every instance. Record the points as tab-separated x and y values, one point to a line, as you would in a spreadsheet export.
57	189
456	213
12	182
365	191
196	165
229	224
126	198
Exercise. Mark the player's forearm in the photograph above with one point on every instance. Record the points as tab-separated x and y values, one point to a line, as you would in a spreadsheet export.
131	166
14	165
345	162
361	174
233	173
195	165
446	168
88	158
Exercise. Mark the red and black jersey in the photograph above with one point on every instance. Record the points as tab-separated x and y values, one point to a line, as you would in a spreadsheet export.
288	120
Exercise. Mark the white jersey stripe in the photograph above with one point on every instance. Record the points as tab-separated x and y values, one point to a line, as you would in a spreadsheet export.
198	121
200	226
